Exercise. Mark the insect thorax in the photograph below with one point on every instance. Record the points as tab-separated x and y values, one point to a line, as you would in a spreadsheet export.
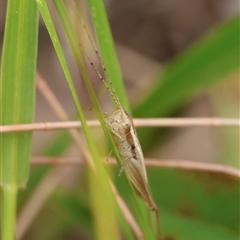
119	121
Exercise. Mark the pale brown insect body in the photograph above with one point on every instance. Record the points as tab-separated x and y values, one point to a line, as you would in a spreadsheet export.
125	138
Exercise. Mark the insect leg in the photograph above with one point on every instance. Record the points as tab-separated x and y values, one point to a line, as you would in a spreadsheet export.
125	162
116	134
123	166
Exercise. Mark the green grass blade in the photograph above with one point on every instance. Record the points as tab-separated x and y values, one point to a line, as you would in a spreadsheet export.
17	93
53	35
204	64
107	48
17	89
103	182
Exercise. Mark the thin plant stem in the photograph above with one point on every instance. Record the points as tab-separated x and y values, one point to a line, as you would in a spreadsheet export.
144	122
9	212
149	162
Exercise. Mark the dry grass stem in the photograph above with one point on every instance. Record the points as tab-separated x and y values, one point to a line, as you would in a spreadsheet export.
149	162
148	122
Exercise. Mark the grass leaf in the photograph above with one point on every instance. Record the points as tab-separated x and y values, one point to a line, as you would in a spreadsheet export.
17	92
103	181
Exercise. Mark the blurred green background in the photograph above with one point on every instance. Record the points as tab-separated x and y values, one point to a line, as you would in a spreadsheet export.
178	59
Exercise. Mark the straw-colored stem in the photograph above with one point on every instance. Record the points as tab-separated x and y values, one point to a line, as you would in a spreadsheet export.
149	162
145	122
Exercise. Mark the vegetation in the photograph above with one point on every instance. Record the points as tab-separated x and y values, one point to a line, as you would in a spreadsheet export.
197	204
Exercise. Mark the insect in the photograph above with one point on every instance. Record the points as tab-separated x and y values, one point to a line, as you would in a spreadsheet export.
125	138
122	129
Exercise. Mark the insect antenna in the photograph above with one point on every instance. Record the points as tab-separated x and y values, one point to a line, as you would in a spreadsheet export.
112	92
110	89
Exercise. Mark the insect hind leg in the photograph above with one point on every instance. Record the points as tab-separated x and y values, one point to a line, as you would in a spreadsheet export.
125	162
116	134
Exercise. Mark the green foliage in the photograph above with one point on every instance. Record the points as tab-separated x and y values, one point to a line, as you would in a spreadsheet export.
17	93
18	89
193	205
